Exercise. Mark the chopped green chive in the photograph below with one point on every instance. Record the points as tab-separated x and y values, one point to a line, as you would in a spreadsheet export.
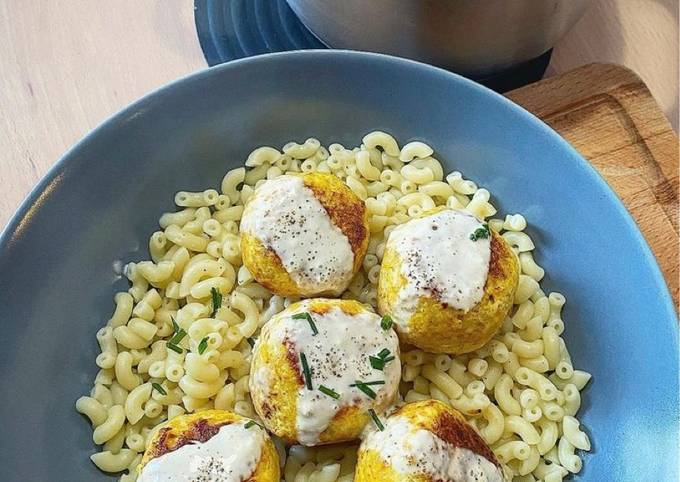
480	233
308	317
376	420
329	391
216	301
251	342
178	337
203	345
376	382
175	326
383	353
364	388
159	388
306	372
174	348
386	322
378	362
252	423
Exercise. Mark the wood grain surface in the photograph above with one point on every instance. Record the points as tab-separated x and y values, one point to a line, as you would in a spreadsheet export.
640	34
67	66
607	113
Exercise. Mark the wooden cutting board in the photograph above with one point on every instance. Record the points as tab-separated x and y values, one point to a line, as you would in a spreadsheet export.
607	113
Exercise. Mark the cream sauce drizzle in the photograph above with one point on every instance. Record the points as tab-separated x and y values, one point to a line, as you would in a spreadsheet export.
439	260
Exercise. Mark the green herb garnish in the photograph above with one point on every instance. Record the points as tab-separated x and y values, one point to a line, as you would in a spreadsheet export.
378	362
306	372
383	353
308	317
159	388
329	391
251	342
216	301
252	423
376	382
375	418
203	345
386	322
174	348
481	233
364	388
178	337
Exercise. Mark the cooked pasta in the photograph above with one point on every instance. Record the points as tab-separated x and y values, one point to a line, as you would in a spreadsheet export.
180	339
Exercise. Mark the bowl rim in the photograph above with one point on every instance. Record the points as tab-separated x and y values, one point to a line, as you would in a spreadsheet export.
12	231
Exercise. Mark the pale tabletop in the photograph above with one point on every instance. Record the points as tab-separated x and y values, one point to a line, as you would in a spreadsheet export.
67	66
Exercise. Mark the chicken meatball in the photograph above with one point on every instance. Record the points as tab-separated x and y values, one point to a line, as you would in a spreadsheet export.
426	442
304	235
320	367
210	445
447	281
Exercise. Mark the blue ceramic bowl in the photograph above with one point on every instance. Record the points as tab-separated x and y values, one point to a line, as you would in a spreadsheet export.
100	203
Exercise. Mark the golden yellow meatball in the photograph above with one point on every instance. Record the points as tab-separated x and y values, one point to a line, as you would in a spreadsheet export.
304	235
209	445
447	281
311	379
426	442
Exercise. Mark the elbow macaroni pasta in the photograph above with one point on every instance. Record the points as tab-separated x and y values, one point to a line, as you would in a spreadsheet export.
520	391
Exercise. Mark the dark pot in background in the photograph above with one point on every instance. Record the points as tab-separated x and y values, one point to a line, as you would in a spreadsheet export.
472	37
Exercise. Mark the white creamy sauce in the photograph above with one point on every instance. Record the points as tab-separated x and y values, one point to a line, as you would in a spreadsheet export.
439	260
259	379
411	450
231	455
337	357
286	216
